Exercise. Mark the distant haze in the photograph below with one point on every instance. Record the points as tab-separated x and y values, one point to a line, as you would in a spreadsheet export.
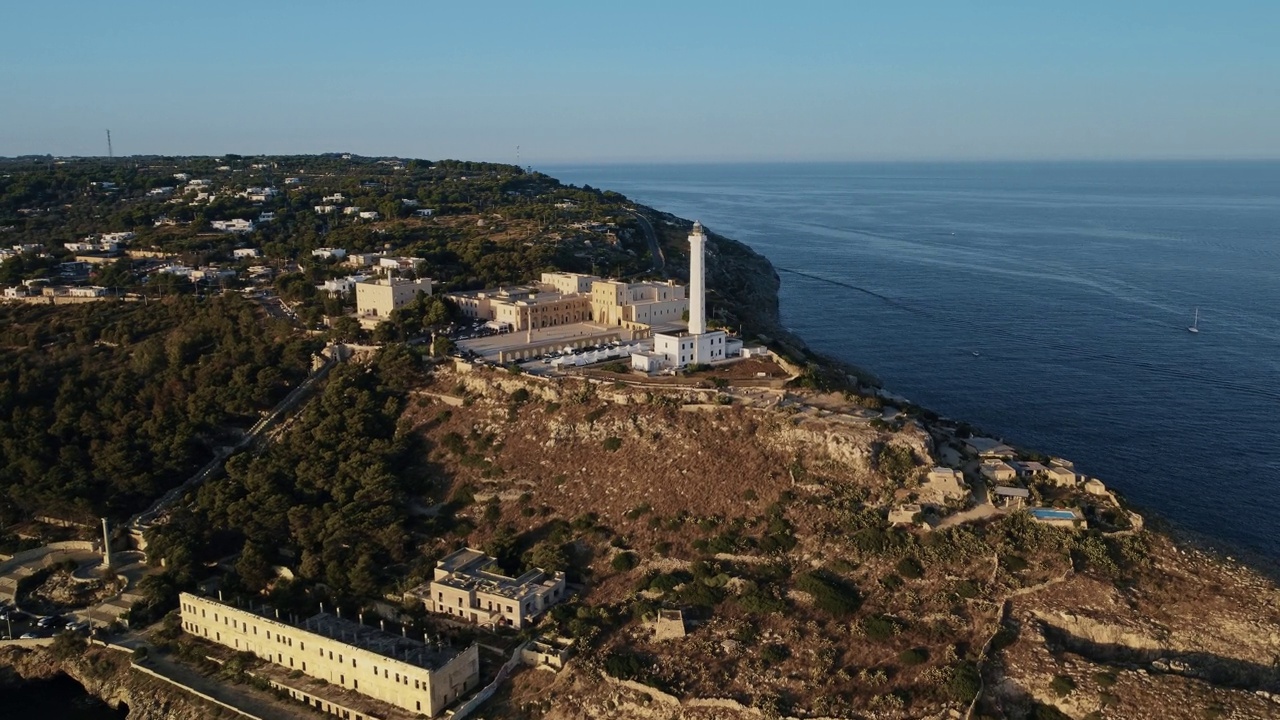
654	81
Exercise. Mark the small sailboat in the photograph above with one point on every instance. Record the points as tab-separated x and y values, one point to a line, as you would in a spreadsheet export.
1195	323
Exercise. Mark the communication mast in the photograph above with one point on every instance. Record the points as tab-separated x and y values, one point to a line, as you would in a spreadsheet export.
110	154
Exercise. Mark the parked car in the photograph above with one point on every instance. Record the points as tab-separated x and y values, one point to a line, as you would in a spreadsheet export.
29	636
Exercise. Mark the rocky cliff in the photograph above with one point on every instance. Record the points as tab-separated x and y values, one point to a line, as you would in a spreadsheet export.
107	674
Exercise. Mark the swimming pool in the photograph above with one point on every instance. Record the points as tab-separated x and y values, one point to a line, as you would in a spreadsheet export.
1052	514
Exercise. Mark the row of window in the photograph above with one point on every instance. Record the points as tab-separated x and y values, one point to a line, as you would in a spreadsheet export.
282	639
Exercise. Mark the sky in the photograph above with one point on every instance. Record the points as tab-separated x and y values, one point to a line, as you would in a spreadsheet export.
653	81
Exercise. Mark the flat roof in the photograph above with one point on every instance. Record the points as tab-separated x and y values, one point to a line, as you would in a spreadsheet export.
1012	491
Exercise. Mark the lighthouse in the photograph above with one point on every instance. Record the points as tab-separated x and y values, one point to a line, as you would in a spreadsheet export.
696	346
697	280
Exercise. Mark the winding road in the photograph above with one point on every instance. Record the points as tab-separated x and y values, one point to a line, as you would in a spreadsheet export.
655	251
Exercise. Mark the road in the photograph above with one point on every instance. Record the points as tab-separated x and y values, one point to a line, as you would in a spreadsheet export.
981	510
655	251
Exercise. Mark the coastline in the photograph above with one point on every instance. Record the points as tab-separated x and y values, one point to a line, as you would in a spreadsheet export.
1220	550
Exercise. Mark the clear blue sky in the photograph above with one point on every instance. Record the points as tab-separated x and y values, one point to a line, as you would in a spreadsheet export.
645	81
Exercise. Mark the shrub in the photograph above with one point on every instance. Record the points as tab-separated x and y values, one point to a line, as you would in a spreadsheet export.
774	653
914	656
663	548
1062	685
624	561
967	589
1014	563
520	396
596	414
910	568
624	664
667	582
830	594
1104	678
612	443
965	682
881	627
750	495
891	582
759	602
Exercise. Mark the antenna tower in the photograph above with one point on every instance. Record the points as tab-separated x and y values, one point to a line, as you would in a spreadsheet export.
110	154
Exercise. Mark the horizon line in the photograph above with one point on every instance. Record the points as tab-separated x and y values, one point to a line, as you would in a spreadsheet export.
704	161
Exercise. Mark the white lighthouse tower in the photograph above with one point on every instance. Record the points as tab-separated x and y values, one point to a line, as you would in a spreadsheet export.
697	280
697	346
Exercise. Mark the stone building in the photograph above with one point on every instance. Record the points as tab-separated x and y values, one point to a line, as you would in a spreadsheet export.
467	586
399	671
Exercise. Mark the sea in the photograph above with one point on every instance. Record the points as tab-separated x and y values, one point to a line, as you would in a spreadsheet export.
1045	303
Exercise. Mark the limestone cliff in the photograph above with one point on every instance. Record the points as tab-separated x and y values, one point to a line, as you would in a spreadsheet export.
108	675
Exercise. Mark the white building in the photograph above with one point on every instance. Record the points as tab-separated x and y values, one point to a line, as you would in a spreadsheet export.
350	210
334	198
424	212
266	217
467	586
292	181
341	286
242	253
15	293
232	226
160	191
86	292
181	177
369	215
117	237
696	346
325	209
326	253
409	202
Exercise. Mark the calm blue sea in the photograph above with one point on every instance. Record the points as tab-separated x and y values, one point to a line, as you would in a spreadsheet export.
1075	283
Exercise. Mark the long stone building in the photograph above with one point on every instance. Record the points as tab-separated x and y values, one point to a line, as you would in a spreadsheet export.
399	671
561	298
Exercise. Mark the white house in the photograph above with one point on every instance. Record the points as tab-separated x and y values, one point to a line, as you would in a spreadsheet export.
292	181
325	209
334	198
409	202
212	274
198	183
86	292
232	226
243	253
117	237
350	210
15	293
266	217
160	191
327	252
24	248
424	212
181	177
341	286
369	215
